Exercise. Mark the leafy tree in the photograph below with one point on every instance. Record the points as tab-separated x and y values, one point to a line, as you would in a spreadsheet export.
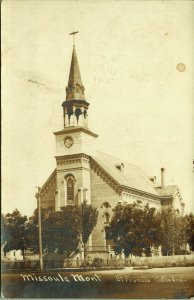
173	232
135	229
60	229
13	231
32	233
89	216
63	229
189	230
65	225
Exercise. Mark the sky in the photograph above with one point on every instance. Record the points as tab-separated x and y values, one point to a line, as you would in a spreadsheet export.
136	61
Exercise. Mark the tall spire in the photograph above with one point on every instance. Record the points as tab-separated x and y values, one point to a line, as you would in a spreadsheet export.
75	88
75	107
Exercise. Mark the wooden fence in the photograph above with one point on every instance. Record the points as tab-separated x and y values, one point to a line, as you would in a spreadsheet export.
54	261
134	261
161	261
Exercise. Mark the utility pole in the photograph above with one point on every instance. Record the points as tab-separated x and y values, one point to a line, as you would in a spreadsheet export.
23	251
39	228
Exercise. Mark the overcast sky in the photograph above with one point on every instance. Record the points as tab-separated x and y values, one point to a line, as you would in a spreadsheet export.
141	99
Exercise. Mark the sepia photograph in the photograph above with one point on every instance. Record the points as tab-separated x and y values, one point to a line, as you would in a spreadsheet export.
97	149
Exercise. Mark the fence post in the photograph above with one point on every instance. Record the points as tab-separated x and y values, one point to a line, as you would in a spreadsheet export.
77	261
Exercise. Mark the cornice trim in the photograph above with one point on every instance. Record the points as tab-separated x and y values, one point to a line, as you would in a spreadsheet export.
76	129
69	159
51	180
105	176
140	193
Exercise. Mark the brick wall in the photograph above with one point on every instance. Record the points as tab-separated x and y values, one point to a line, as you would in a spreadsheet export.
101	192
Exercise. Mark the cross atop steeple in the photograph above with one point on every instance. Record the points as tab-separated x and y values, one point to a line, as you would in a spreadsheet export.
74	33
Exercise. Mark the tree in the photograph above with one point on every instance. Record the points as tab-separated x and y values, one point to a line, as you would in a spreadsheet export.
135	229
13	231
32	234
173	232
65	225
189	230
89	220
62	229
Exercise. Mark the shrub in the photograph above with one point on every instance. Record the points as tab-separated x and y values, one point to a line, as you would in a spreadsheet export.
85	264
173	264
98	262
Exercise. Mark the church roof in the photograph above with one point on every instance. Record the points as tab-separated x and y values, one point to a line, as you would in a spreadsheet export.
169	190
75	88
128	175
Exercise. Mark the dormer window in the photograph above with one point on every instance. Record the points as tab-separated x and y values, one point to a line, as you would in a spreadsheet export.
153	179
120	167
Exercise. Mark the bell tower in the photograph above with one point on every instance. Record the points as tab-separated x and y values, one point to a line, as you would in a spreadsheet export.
75	108
75	137
74	143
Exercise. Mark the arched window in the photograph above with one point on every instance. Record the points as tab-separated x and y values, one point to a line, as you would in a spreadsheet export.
70	113
108	237
70	181
106	204
70	189
85	113
78	112
107	218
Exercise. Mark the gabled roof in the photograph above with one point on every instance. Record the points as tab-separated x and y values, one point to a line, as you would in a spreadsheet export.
169	190
131	176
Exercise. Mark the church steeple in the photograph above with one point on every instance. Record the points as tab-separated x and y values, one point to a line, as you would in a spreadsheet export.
75	106
75	88
75	137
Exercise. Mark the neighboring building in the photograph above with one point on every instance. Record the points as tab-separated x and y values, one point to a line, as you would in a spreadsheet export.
13	255
84	174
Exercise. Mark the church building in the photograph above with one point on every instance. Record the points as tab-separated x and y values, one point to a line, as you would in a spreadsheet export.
83	173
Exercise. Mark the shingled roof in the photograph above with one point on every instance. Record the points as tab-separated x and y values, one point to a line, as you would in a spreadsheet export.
129	176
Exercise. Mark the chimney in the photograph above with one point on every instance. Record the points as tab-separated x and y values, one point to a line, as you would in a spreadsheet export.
162	177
